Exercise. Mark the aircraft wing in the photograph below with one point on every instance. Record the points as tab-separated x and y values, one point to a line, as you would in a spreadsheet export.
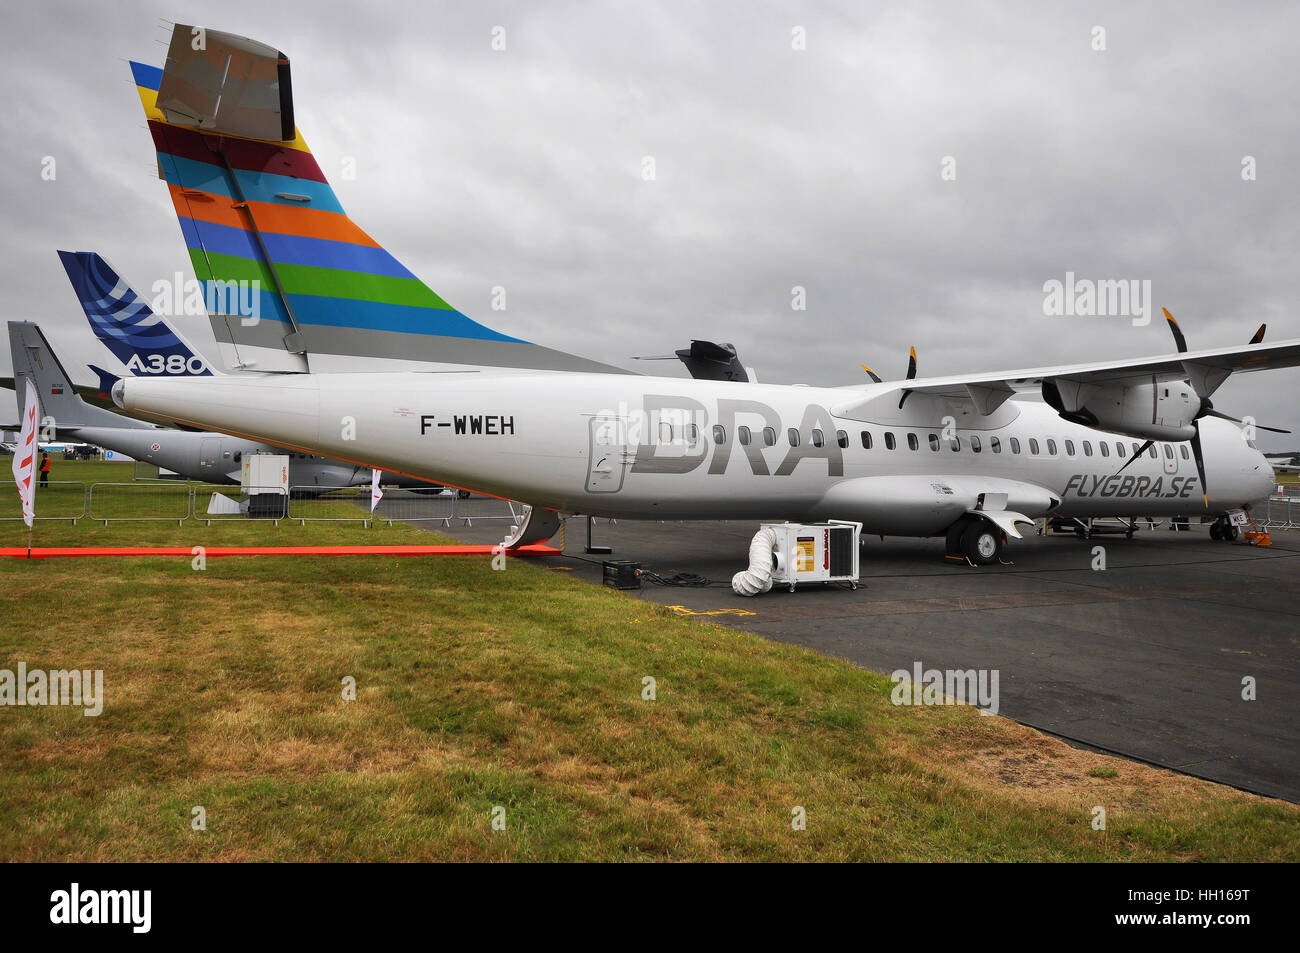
988	391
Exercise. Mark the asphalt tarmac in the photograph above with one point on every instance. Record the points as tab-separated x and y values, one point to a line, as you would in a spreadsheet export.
1146	658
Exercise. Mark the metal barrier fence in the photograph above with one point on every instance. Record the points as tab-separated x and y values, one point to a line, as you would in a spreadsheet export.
414	506
331	504
257	503
314	503
1278	514
67	500
138	502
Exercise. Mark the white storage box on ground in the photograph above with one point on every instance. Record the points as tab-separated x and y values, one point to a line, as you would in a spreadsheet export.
787	554
264	478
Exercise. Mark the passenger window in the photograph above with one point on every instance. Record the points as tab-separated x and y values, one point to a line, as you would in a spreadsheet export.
665	432
692	433
1051	446
1183	451
866	440
1151	452
955	444
793	436
1103	447
1015	444
1087	449
817	439
1169	452
1033	446
743	434
842	439
889	440
975	444
912	442
719	433
769	436
934	441
1119	449
1069	448
995	444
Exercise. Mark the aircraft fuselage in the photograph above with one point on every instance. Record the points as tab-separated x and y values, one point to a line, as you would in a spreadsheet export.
667	448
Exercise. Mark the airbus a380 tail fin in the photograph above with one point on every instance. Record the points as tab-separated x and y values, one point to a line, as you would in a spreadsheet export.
126	325
267	234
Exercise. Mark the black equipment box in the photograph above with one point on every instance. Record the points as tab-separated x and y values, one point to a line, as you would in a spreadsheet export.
622	574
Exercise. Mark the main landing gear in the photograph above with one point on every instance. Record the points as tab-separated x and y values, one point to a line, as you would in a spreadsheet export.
976	539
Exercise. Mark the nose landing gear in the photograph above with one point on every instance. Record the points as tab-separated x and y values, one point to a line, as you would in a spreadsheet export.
1226	530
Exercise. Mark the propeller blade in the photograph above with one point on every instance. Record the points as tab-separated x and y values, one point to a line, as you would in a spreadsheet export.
1259	335
1200	463
1179	341
1223	416
911	374
1140	450
870	373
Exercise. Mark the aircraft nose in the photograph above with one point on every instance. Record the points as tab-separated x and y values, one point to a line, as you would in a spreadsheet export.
1261	479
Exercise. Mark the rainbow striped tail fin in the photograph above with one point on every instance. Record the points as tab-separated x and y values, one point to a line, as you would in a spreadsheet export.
290	282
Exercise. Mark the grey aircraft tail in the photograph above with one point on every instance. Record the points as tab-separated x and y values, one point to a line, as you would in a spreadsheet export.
35	360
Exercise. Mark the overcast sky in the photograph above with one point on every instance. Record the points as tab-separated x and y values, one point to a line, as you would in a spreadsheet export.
775	167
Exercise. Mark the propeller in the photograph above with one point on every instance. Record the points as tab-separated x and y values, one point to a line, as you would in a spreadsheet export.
870	373
911	375
1137	453
1206	409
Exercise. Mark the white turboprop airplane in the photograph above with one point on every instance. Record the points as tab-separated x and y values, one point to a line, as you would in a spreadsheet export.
952	456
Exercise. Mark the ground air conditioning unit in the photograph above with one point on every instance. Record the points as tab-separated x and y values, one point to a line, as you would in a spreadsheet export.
264	478
787	554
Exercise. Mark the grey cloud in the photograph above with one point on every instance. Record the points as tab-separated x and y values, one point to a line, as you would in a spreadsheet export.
775	168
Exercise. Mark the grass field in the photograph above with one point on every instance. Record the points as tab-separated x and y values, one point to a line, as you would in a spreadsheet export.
522	689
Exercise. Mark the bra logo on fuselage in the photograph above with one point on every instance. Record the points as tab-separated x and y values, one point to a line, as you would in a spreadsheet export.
672	435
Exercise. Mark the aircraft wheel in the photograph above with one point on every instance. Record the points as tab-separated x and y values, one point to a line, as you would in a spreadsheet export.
955	533
1231	533
1216	531
981	543
463	494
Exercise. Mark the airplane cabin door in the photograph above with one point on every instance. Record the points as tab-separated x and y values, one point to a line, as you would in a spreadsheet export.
209	452
608	457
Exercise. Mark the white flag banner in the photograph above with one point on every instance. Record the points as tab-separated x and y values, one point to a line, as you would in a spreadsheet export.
376	493
25	456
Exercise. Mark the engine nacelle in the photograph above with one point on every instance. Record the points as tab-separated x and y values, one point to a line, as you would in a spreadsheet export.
1155	411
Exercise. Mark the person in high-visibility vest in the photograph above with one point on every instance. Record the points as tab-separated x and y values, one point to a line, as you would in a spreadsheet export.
45	469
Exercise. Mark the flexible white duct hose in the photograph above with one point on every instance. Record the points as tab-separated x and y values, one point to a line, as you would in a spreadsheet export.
758	577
